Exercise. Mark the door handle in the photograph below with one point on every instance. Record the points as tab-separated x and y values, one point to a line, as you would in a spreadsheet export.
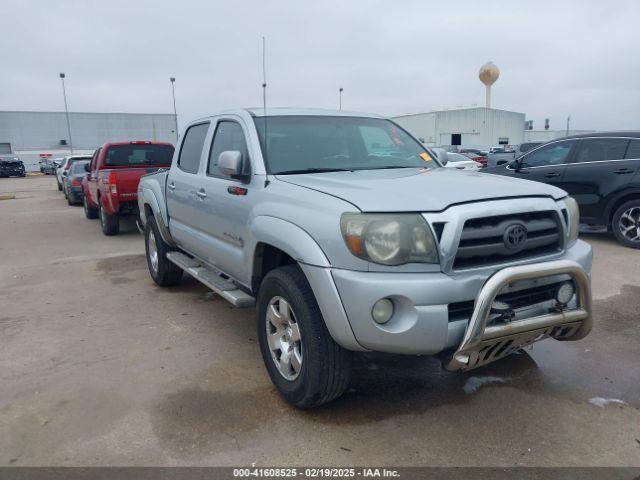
623	171
201	193
551	175
172	186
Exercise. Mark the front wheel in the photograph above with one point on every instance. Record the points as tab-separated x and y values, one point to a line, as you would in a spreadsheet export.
626	224
164	272
59	186
305	364
110	224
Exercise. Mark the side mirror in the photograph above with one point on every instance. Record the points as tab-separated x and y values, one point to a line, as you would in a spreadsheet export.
65	173
514	165
87	167
230	164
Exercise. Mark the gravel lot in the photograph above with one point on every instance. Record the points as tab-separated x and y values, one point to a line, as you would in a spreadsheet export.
98	366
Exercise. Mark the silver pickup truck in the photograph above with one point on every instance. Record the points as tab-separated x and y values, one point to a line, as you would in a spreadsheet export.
347	235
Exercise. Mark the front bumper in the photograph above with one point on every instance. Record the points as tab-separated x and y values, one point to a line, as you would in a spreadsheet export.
421	323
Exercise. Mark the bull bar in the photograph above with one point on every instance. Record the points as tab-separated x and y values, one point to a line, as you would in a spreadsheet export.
484	343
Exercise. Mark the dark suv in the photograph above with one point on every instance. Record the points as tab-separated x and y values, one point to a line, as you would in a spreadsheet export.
599	170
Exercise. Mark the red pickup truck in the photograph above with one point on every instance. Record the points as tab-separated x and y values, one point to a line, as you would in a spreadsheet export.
111	186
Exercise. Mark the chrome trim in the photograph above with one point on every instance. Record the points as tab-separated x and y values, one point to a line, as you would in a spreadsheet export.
604	161
455	217
479	336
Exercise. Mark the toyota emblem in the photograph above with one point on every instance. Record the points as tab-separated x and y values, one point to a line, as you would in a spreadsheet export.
515	236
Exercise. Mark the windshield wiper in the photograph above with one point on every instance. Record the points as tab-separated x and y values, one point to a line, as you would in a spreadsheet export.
314	170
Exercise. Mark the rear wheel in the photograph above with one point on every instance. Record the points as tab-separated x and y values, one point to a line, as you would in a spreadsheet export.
110	224
626	224
89	211
305	364
59	185
162	271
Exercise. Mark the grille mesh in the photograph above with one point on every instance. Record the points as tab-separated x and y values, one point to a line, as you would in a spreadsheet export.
482	239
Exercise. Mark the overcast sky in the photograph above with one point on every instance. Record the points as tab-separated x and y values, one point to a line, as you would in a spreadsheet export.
579	58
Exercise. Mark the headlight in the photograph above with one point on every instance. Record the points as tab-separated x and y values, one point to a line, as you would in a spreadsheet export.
389	239
574	220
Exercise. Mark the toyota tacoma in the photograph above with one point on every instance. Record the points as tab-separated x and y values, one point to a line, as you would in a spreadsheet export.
347	235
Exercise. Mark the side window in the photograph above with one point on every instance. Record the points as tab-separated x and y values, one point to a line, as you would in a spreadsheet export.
553	154
228	136
600	149
191	150
634	149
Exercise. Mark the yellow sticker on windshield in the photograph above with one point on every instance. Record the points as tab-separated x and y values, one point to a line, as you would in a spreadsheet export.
426	157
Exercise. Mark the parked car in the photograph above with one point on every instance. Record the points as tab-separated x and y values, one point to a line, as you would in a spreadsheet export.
347	235
72	181
11	166
600	170
50	165
502	158
461	162
480	159
63	169
110	188
477	152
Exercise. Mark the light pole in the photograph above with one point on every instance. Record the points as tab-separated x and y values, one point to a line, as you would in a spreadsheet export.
568	120
66	112
175	113
341	89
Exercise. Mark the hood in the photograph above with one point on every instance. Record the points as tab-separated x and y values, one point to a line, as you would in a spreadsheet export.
418	190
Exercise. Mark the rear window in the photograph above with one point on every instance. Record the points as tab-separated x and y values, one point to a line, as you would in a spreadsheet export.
78	166
133	155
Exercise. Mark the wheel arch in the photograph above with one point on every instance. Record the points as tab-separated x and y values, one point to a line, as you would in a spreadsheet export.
623	197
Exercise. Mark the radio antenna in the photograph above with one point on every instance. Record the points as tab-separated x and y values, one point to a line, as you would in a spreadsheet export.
264	76
264	98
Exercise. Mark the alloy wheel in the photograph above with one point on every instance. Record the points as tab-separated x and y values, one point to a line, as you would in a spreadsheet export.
283	337
629	224
153	251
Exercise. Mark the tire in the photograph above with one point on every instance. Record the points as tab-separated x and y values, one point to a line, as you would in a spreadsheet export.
59	186
70	199
110	224
89	211
324	367
162	271
626	224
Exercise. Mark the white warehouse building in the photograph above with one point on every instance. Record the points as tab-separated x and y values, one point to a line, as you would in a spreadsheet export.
478	127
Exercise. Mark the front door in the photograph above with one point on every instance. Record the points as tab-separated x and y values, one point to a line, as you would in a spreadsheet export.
226	208
545	164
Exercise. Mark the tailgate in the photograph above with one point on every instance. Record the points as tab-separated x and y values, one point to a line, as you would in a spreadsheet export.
127	180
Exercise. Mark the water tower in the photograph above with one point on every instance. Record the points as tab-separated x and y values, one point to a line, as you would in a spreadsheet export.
488	75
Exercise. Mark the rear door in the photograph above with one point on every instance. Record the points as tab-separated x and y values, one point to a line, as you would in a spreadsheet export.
183	196
545	164
597	172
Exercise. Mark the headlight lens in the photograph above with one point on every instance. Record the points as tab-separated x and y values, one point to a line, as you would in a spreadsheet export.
574	220
389	239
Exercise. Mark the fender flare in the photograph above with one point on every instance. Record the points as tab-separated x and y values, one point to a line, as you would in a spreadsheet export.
149	198
289	238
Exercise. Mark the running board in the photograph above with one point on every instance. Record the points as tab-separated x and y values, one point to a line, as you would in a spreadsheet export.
226	288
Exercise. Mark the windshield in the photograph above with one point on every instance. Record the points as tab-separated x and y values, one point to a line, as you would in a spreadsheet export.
133	155
299	144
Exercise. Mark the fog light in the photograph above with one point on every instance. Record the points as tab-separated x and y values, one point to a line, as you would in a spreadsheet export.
382	310
565	293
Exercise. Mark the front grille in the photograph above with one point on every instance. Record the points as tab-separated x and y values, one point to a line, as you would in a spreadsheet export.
519	299
483	239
